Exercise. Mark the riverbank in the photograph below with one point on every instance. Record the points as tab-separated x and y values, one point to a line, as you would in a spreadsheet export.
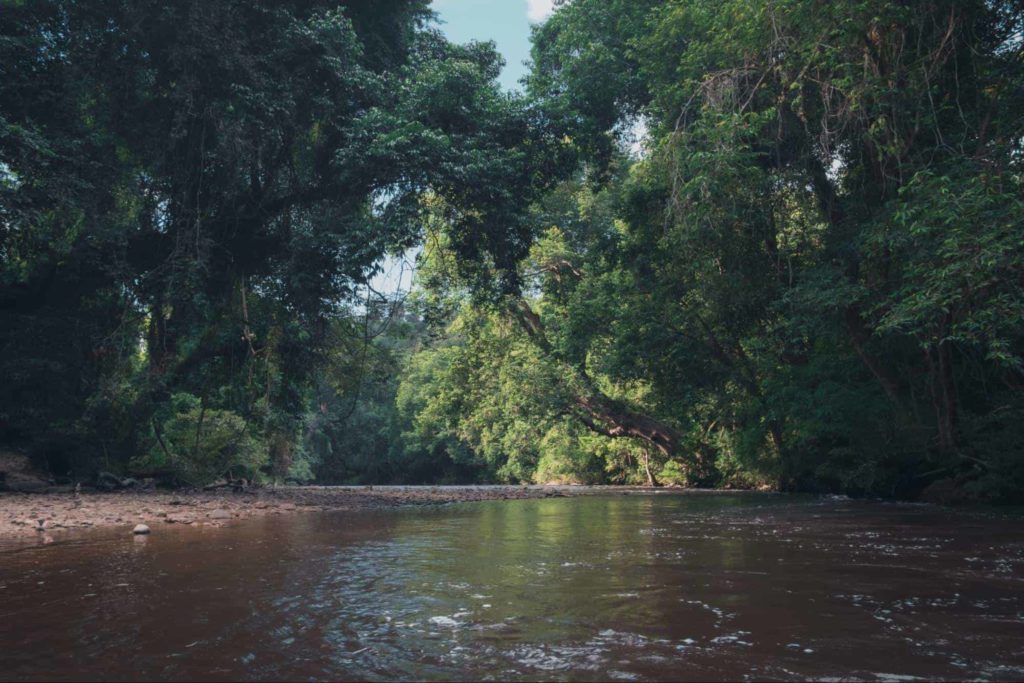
30	514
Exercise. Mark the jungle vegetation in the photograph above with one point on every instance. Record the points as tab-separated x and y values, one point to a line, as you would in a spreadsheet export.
739	243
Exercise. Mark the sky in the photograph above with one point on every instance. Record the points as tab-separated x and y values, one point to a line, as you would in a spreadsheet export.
507	23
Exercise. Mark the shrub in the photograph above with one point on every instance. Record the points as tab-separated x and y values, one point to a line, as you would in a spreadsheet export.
198	445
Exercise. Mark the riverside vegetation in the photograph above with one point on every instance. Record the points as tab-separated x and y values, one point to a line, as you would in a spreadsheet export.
807	276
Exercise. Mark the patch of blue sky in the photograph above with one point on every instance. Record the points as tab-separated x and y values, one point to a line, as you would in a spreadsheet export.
506	22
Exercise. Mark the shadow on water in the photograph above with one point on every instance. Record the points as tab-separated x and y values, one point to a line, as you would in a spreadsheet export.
608	587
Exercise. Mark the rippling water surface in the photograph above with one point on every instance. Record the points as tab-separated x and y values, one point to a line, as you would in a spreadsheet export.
643	587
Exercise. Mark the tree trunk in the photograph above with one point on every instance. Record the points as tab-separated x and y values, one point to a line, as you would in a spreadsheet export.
775	430
599	413
949	399
156	346
651	481
858	338
610	418
940	370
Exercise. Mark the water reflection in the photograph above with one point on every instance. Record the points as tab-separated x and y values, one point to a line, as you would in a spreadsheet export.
637	587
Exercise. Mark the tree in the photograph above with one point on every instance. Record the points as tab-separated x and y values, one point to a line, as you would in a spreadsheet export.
219	180
818	167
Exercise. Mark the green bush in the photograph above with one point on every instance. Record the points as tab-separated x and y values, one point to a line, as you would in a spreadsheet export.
564	460
673	474
198	445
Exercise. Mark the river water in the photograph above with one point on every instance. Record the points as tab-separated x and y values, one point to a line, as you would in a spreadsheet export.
640	587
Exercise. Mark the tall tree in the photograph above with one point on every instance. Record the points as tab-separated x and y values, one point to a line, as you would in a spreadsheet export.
220	178
828	218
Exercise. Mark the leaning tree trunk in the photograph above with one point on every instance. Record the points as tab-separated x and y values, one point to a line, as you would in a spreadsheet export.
604	415
611	418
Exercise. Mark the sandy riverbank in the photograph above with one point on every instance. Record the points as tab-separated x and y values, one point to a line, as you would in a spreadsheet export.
27	514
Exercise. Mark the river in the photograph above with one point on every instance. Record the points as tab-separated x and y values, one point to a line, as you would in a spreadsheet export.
639	587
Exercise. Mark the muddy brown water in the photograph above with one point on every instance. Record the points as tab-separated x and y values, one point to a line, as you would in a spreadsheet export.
641	587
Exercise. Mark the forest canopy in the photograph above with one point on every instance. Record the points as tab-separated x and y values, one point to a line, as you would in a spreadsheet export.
807	274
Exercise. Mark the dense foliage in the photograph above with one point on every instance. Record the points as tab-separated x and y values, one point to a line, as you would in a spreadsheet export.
810	276
194	193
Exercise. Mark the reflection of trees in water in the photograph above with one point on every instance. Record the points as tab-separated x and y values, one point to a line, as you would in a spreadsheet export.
546	563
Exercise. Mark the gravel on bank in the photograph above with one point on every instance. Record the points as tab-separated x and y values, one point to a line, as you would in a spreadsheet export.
27	514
